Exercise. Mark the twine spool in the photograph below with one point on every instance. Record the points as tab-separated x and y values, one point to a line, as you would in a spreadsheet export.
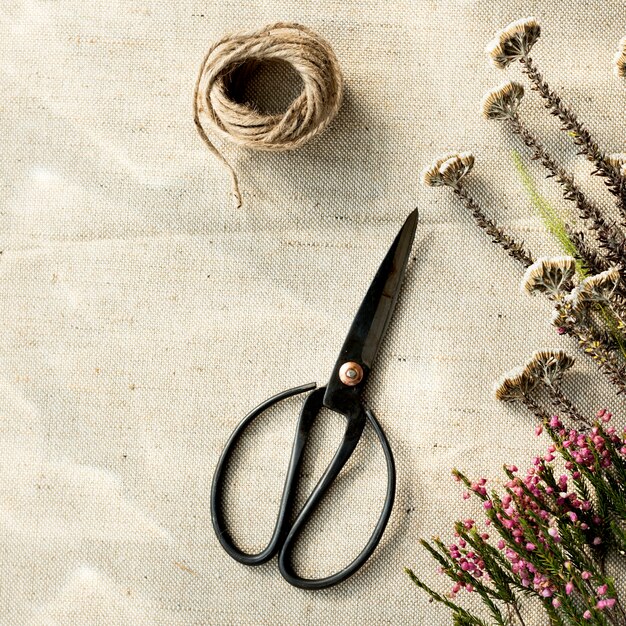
230	62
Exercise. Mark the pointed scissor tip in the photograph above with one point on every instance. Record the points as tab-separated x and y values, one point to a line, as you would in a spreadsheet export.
410	224
413	215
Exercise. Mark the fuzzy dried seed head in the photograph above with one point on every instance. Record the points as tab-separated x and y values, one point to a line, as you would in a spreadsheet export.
548	365
502	102
619	60
448	170
513	42
598	288
431	176
549	275
456	167
617	159
514	385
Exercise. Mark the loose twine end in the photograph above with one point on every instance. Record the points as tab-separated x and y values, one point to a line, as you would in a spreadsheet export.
217	114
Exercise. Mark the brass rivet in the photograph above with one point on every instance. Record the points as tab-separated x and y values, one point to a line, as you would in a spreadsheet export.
350	373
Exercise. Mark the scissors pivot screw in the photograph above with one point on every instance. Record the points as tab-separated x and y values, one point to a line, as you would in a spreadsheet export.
351	373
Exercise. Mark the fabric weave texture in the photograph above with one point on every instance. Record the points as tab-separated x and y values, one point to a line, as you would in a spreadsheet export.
142	316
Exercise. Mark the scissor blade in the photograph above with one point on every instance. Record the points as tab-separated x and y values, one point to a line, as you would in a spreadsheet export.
371	321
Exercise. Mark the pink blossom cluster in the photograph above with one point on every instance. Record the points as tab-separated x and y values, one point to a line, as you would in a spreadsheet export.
527	572
590	449
469	562
532	508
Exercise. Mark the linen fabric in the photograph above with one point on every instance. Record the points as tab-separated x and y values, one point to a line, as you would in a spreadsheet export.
142	315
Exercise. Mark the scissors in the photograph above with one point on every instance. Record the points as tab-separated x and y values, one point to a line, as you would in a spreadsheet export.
342	394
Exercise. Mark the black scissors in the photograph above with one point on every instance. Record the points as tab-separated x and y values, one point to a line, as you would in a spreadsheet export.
342	394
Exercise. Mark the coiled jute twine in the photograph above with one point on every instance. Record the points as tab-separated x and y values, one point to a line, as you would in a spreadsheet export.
232	60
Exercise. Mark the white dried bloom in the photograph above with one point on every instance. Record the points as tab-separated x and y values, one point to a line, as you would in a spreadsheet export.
502	102
513	42
598	288
448	170
617	159
549	275
619	60
514	385
456	167
548	365
431	176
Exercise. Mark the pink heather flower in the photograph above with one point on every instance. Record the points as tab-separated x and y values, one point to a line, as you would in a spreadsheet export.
573	516
487	504
586	575
554	421
600	413
587	615
560	330
569	587
530	546
466	495
602	590
610	603
597	541
501	544
556	603
600	604
456	477
538	430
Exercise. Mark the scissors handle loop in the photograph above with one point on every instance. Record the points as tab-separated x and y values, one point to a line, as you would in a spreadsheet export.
284	556
285	535
286	502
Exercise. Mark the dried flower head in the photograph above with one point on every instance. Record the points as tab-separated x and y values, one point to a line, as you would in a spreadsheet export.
514	385
513	42
549	275
456	167
619	60
431	176
617	159
502	102
548	365
448	170
598	288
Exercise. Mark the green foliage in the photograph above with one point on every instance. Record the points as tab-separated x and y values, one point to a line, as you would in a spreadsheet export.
550	216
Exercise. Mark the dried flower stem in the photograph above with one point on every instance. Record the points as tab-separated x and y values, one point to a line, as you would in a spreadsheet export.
513	248
535	408
595	345
593	263
609	235
566	405
582	137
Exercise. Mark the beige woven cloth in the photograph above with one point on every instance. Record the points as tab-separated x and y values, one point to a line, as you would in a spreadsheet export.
141	315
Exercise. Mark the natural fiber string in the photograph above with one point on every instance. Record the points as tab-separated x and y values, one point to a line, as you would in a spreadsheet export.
230	62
